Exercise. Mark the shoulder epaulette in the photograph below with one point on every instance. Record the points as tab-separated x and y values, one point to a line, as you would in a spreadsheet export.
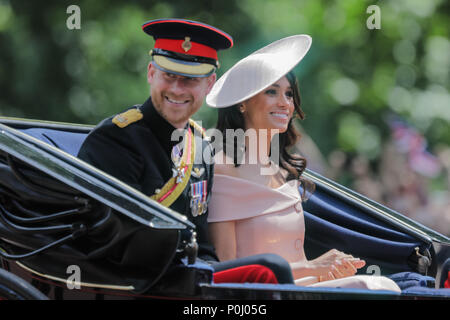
125	118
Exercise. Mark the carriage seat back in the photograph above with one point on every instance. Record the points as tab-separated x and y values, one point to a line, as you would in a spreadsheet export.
69	142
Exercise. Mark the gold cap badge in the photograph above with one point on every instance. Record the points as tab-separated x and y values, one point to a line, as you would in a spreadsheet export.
186	45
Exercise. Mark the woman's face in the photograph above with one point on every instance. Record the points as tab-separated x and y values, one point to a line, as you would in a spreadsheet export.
270	109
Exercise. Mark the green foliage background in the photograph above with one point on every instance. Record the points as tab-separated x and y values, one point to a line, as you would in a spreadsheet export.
351	79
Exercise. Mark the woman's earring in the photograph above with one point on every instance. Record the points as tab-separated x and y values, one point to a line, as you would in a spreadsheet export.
242	109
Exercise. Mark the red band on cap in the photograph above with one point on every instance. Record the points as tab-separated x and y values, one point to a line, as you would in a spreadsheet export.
196	49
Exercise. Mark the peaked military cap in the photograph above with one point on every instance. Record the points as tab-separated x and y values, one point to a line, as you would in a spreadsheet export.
186	47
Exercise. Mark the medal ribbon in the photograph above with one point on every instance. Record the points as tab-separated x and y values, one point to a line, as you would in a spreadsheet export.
204	193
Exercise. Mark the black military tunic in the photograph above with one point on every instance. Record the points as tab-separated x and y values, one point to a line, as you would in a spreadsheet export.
139	154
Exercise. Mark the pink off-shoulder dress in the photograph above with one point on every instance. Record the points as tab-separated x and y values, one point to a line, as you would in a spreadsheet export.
270	220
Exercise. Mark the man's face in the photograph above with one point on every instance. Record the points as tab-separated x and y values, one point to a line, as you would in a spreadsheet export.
176	97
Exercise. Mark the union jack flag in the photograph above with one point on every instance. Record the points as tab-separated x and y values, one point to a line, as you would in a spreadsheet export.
411	142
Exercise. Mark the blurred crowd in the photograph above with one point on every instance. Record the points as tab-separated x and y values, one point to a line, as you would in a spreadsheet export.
406	178
398	186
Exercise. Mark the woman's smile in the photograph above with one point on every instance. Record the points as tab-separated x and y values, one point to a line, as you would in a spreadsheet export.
280	115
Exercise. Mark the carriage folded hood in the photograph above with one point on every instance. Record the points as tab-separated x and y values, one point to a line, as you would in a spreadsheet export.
89	180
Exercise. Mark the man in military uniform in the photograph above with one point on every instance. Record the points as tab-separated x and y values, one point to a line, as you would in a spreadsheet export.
137	146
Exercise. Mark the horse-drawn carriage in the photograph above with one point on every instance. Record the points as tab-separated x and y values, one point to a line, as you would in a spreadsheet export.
68	230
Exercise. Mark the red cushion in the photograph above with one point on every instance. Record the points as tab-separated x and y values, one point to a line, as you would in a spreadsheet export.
447	283
253	273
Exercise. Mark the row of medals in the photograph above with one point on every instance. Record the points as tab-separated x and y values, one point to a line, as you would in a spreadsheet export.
198	191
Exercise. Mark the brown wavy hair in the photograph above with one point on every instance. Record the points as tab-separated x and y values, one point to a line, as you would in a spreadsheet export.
294	164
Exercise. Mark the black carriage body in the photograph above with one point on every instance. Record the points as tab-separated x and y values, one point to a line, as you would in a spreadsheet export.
127	245
79	216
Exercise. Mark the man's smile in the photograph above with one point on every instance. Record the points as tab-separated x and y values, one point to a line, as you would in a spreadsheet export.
176	101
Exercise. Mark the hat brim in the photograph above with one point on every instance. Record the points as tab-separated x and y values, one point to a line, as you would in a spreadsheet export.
183	68
258	71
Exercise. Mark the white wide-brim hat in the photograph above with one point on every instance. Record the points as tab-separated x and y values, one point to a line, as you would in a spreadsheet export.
258	71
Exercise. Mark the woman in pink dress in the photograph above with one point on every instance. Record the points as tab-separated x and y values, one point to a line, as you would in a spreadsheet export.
256	206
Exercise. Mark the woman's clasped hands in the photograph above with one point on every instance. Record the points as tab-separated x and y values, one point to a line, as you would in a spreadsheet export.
335	265
332	265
